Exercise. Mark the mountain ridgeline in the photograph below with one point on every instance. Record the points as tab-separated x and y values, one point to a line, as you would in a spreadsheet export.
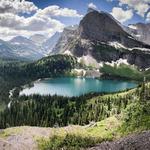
28	49
100	36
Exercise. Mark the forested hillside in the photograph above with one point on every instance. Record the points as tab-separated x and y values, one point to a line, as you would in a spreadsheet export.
124	71
46	67
36	110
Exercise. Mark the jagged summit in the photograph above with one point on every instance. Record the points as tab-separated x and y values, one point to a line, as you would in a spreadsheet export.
90	10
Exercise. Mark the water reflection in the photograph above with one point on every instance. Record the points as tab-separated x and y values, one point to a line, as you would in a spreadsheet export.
76	86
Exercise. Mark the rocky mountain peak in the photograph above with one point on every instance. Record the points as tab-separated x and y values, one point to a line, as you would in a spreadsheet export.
102	38
100	26
90	10
140	31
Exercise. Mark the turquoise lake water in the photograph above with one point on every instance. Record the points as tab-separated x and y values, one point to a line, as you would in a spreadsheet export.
69	86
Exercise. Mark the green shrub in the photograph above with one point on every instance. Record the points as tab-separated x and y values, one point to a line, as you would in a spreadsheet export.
69	142
136	117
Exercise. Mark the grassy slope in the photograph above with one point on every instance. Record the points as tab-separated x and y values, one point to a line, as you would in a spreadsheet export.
125	71
70	137
54	138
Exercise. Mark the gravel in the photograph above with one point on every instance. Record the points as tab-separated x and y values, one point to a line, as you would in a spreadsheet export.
139	141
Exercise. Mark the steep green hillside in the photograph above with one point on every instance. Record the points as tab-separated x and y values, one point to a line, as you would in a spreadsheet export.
124	71
133	119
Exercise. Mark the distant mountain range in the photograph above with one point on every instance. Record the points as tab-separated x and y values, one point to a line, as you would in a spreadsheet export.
38	39
29	49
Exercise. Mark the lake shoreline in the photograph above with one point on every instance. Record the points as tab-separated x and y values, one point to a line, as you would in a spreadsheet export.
98	84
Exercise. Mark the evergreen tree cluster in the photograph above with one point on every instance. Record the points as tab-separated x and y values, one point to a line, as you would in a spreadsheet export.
47	67
49	110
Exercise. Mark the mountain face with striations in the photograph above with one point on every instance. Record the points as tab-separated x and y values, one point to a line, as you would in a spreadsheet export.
14	50
100	38
141	31
6	50
68	34
51	42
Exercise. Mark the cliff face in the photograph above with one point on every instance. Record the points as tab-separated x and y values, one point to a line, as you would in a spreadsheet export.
141	31
99	35
65	38
100	27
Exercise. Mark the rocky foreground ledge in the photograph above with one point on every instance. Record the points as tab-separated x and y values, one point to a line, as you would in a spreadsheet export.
24	138
139	141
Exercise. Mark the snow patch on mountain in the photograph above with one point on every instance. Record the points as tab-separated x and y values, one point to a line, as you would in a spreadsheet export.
88	61
67	53
79	72
141	49
133	27
118	62
117	45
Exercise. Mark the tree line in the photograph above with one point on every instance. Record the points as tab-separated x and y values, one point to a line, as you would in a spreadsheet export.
49	111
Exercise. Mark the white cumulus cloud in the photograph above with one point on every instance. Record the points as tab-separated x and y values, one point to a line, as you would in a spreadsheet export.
140	6
122	15
17	6
41	21
55	10
110	0
13	25
92	5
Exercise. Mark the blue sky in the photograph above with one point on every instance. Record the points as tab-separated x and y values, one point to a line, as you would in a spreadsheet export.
29	17
82	5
